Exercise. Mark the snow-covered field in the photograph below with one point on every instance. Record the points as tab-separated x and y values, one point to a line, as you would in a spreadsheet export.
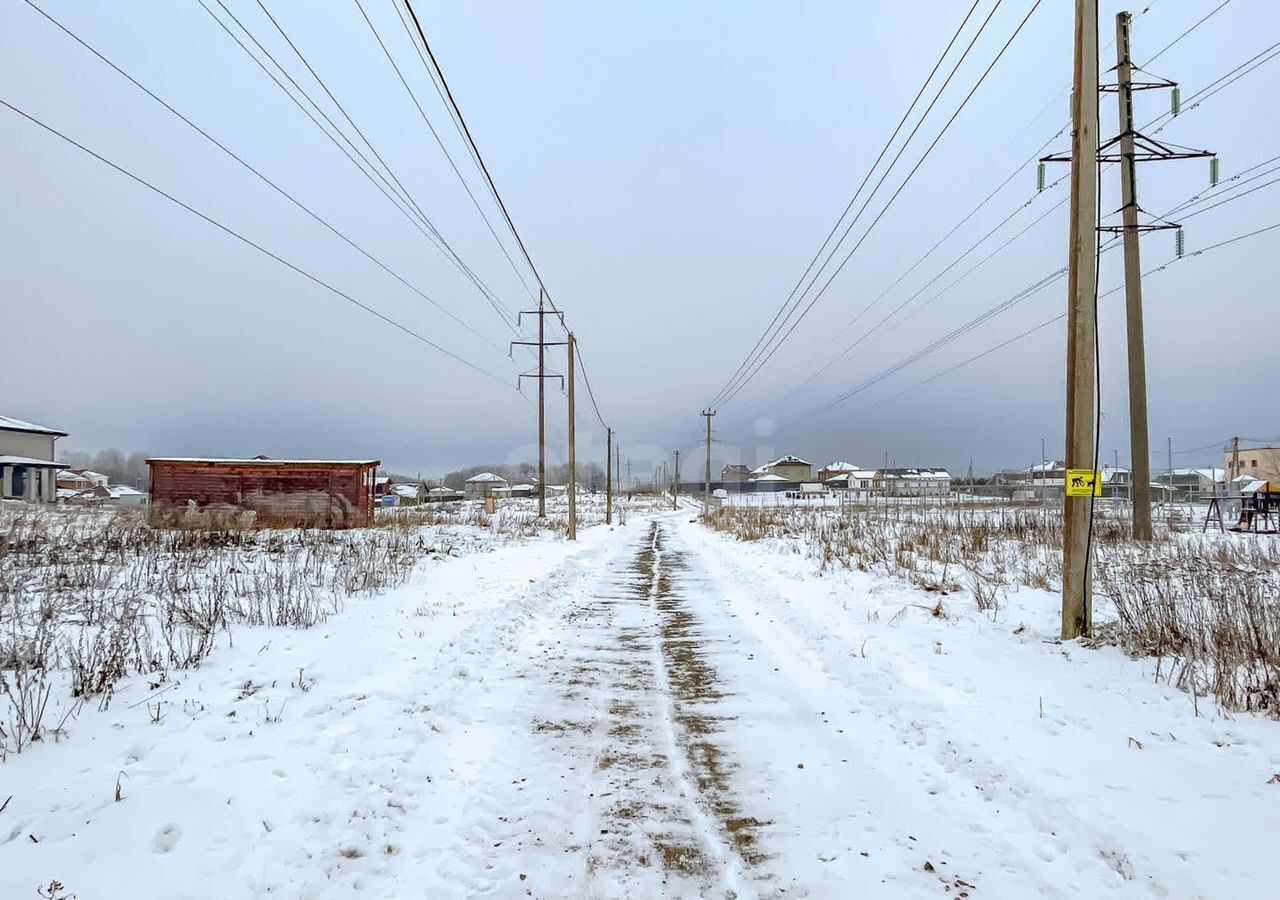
659	710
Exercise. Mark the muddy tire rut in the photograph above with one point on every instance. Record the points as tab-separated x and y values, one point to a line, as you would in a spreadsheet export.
644	700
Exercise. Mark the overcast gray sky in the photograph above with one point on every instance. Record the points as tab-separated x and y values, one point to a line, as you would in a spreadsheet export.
672	167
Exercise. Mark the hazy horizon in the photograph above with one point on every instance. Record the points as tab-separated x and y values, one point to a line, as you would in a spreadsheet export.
672	170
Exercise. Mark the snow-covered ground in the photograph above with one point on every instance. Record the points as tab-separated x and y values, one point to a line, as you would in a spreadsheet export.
655	711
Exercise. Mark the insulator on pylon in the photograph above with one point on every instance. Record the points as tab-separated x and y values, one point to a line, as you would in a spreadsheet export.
1179	243
1040	178
1213	172
1175	101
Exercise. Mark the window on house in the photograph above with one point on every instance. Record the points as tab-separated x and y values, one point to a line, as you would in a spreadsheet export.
1253	464
18	482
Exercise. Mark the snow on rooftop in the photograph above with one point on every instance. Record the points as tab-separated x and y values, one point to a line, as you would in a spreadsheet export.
29	461
916	473
768	478
259	461
8	423
1211	474
486	477
840	467
780	461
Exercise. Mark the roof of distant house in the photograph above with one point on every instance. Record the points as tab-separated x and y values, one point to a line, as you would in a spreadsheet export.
405	490
840	467
768	478
123	490
1212	474
915	473
486	476
8	423
780	461
1052	465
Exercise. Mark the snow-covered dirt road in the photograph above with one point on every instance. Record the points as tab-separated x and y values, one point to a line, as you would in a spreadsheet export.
657	711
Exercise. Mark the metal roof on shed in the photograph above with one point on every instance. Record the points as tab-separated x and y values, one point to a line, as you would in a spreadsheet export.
210	461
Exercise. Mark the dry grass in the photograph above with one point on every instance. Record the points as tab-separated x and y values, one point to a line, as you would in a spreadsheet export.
1208	604
90	596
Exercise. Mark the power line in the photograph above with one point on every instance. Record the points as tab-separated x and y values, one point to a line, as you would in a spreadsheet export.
292	199
479	158
1192	201
461	122
965	219
1170	45
587	381
1218	84
891	200
406	206
1061	316
1002	307
443	149
836	225
261	249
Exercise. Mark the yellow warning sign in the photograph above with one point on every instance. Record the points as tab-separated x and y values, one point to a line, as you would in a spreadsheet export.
1084	483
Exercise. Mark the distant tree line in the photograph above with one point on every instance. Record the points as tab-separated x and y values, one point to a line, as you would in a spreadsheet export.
589	475
120	466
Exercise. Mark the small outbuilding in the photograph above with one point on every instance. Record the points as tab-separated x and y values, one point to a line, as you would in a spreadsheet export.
484	484
315	493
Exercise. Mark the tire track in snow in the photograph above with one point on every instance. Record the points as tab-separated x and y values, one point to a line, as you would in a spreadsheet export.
640	699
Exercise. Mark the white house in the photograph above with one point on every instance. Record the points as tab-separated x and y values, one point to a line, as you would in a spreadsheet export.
863	480
831	470
27	469
908	482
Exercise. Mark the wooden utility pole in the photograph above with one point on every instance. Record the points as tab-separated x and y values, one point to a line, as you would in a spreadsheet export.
675	488
608	477
1077	599
572	486
1139	441
708	414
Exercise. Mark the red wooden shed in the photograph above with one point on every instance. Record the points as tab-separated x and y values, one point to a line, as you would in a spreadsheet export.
316	493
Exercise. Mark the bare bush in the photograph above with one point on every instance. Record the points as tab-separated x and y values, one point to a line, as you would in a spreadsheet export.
1209	604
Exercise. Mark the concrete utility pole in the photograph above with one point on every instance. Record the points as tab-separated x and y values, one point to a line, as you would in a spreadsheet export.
608	477
572	481
1235	463
708	414
542	408
1077	594
617	466
675	488
1139	446
542	344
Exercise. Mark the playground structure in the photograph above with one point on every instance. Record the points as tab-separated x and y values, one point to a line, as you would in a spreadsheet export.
1259	510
